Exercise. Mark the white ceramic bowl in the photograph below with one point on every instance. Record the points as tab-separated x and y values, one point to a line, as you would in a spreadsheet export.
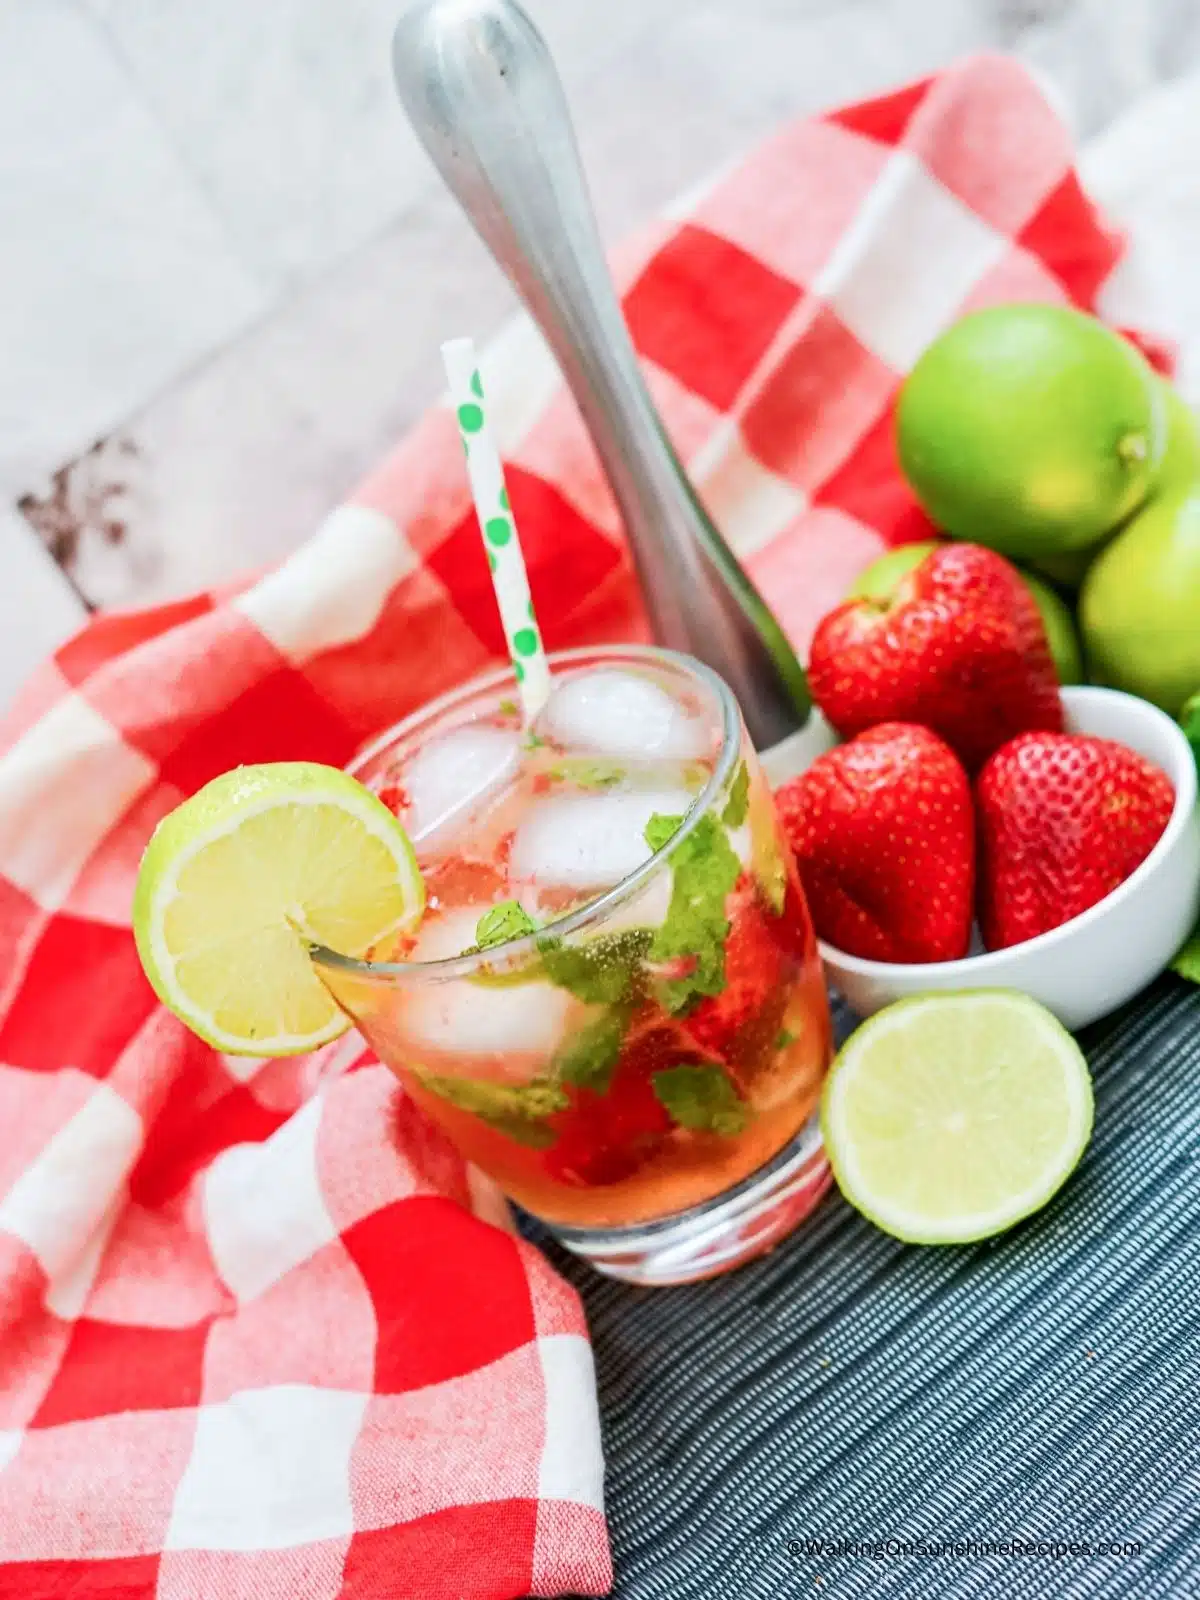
1095	962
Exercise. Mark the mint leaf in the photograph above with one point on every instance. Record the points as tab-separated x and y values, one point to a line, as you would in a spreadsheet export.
517	1110
768	856
660	830
588	1059
533	741
509	920
601	971
1187	962
705	870
701	1098
589	774
738	804
770	872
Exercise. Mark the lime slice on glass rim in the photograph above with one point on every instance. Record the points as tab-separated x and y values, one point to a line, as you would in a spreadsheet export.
237	881
950	1117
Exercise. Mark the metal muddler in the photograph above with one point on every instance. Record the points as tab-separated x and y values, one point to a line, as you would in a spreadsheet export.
481	90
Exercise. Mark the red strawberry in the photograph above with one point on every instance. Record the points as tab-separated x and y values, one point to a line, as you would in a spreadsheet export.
883	833
732	1024
459	881
1063	819
605	1138
959	646
394	796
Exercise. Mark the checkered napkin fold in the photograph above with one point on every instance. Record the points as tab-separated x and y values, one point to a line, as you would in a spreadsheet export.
258	1334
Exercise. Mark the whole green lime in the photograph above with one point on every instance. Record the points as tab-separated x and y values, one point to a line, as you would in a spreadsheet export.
1180	464
1030	428
1189	721
1068	568
1179	467
1061	633
1139	609
879	581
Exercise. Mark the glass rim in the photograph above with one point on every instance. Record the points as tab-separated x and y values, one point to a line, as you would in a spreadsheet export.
513	951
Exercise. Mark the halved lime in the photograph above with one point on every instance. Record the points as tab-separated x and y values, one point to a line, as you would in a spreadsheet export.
950	1117
240	878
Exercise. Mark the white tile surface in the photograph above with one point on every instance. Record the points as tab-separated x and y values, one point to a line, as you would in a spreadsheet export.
285	115
38	607
244	457
792	59
115	273
1107	54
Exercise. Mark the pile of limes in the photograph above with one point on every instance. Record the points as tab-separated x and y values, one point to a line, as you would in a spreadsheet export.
1044	434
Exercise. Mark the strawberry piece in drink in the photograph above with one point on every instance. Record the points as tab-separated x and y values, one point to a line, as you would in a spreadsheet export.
645	1092
607	1137
741	1020
394	796
459	881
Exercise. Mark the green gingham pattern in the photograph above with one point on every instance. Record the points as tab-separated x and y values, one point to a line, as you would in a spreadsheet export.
496	525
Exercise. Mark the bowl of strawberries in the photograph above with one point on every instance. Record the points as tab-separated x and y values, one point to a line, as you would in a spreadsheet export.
961	821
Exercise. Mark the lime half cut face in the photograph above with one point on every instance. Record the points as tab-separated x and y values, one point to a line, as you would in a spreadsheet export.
950	1117
238	881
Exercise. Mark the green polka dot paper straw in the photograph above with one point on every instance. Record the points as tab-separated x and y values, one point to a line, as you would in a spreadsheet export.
500	541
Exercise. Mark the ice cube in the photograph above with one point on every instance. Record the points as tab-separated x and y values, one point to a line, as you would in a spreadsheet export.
448	934
450	780
459	1017
469	1019
614	712
584	841
647	909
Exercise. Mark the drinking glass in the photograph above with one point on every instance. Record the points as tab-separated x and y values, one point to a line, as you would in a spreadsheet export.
641	1070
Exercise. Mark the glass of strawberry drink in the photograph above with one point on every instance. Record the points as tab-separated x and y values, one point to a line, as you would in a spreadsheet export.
614	1003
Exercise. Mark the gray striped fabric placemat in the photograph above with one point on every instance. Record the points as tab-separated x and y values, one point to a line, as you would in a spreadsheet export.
1043	1387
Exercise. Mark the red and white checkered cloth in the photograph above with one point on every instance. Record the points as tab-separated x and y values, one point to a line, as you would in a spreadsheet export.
257	1337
